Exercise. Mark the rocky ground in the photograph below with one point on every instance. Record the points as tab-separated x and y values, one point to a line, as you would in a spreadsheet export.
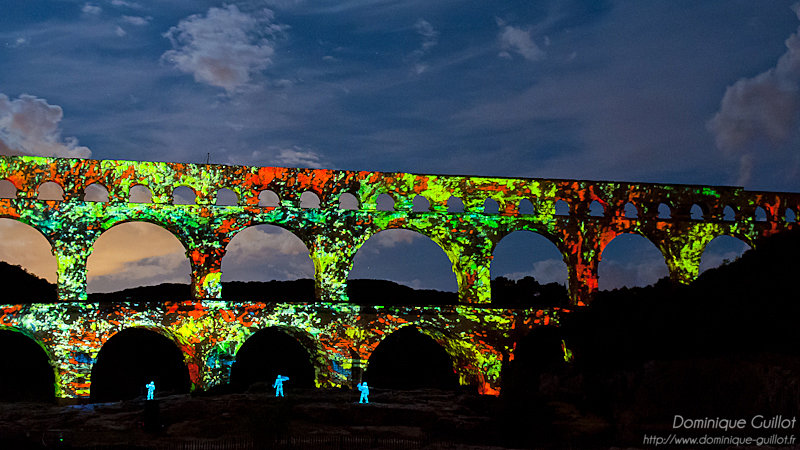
304	419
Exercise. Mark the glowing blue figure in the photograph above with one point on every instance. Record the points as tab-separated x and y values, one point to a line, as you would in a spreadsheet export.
278	385
364	392
151	389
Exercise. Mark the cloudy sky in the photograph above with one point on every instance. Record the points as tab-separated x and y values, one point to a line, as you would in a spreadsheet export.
701	92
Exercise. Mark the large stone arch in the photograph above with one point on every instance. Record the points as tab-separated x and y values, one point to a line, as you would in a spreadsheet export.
159	226
234	233
468	354
410	226
724	235
435	336
187	360
108	223
631	231
18	221
303	341
219	358
46	350
532	234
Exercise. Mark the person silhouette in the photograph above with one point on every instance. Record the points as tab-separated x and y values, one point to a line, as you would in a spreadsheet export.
364	392
151	389
278	385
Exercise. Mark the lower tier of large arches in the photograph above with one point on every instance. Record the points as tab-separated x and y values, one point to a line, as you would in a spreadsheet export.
110	352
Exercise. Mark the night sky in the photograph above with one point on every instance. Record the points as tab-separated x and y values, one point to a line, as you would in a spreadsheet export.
700	92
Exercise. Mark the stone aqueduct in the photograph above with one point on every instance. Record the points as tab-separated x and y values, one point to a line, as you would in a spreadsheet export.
210	328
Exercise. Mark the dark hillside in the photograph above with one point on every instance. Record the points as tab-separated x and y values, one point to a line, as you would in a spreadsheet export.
21	286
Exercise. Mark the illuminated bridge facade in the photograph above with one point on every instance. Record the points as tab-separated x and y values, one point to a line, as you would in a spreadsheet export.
338	334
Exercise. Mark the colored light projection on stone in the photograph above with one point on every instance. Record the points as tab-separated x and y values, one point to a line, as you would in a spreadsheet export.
210	328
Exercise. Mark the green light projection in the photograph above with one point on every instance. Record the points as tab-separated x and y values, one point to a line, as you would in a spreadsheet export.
209	331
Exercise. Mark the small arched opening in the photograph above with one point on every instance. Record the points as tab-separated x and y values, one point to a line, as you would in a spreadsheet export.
760	214
526	207
268	199
728	214
630	211
420	204
184	195
562	208
384	202
664	211
348	201
309	199
455	205
696	212
596	209
50	191
95	192
140	194
490	206
7	189
790	216
226	197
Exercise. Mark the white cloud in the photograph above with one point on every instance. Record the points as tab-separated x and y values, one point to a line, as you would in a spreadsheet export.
296	157
224	48
90	9
761	109
513	39
120	31
430	37
136	20
30	126
126	4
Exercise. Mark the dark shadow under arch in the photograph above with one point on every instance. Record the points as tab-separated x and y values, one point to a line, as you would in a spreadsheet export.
540	350
268	353
134	357
409	359
26	374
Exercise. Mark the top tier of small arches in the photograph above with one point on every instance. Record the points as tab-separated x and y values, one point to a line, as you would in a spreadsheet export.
55	179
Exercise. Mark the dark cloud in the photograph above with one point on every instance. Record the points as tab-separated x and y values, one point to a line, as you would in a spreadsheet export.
762	110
